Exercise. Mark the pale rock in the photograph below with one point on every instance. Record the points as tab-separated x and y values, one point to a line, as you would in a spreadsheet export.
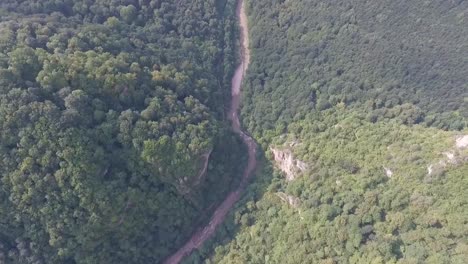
462	142
286	163
388	172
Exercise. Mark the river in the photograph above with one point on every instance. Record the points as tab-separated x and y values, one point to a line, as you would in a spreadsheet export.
199	237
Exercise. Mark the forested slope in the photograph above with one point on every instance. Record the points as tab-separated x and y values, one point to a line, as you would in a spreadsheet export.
361	109
390	58
370	193
109	112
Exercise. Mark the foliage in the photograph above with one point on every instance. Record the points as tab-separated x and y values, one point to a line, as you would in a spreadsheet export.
391	59
106	108
369	95
358	215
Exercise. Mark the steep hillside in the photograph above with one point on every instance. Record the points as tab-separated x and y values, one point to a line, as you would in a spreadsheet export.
112	131
372	193
361	110
392	59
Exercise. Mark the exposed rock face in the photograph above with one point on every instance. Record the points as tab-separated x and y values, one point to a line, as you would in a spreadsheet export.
450	157
388	172
291	200
205	158
430	169
462	142
455	156
286	163
187	184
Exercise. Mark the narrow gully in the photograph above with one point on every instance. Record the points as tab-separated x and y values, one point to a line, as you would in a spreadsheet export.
199	237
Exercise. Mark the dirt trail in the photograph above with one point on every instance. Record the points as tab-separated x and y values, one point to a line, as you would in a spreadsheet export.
219	215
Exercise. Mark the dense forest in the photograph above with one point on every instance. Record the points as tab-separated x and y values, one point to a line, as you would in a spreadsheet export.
115	147
361	109
371	193
391	59
112	131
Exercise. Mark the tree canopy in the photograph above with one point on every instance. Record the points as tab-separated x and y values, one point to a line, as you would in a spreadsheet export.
365	101
107	110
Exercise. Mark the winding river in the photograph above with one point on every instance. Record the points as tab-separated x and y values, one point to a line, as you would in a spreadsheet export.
199	237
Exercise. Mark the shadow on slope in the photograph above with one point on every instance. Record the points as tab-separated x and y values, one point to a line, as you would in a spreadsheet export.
258	186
